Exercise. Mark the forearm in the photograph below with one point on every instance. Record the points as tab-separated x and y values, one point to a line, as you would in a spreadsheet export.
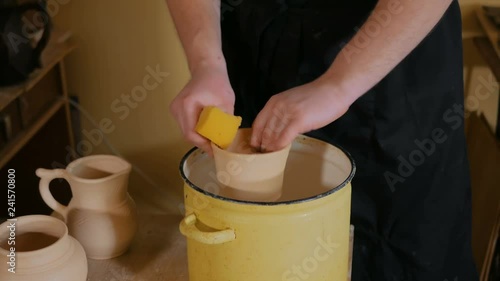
198	25
380	46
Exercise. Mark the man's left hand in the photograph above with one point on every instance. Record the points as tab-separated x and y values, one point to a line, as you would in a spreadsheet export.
296	111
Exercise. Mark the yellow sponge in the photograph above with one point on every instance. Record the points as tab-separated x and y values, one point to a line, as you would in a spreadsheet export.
218	126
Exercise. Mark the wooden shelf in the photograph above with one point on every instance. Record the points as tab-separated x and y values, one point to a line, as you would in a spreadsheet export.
484	157
489	55
56	50
25	135
490	29
58	47
490	50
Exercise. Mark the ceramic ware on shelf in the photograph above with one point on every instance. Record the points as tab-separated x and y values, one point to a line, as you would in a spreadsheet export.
43	251
101	215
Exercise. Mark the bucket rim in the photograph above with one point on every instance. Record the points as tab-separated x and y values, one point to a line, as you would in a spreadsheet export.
278	203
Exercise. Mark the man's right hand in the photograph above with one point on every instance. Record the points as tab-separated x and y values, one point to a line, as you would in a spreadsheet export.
209	86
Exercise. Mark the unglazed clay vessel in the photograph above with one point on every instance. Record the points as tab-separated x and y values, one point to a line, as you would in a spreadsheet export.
101	215
247	174
43	251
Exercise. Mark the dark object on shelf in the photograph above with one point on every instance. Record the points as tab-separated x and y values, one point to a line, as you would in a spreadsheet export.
498	121
10	123
4	3
494	14
495	265
20	49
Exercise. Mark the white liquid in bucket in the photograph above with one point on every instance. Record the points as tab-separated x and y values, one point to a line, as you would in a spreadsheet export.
313	168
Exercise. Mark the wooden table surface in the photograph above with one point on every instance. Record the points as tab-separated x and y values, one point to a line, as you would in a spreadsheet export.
158	251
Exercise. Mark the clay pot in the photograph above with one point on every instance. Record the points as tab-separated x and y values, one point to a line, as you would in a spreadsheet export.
43	251
101	215
247	174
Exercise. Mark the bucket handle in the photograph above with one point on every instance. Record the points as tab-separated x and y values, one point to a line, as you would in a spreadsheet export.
188	228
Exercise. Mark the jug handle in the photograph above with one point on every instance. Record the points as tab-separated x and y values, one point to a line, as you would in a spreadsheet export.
46	176
188	228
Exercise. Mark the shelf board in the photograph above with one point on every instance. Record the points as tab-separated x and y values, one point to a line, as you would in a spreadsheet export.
57	48
14	145
489	55
490	29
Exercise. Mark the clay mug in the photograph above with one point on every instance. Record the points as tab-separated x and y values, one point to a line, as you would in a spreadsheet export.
101	214
39	248
247	174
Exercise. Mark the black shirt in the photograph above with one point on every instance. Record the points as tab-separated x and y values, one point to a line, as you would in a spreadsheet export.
411	194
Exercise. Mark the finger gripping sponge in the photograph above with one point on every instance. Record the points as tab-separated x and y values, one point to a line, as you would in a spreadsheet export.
218	126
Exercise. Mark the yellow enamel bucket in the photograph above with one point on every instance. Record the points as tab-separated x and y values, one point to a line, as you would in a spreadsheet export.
302	236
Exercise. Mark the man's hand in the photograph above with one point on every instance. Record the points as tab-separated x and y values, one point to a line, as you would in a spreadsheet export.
209	86
296	111
198	25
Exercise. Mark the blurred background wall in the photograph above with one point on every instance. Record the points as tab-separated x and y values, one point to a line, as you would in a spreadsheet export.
120	44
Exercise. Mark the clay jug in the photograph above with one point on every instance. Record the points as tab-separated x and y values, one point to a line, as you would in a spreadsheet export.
39	248
101	214
246	174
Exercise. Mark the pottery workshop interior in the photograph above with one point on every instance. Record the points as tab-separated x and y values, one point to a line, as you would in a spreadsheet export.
250	140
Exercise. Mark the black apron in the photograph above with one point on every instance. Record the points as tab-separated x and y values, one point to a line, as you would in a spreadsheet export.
411	194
